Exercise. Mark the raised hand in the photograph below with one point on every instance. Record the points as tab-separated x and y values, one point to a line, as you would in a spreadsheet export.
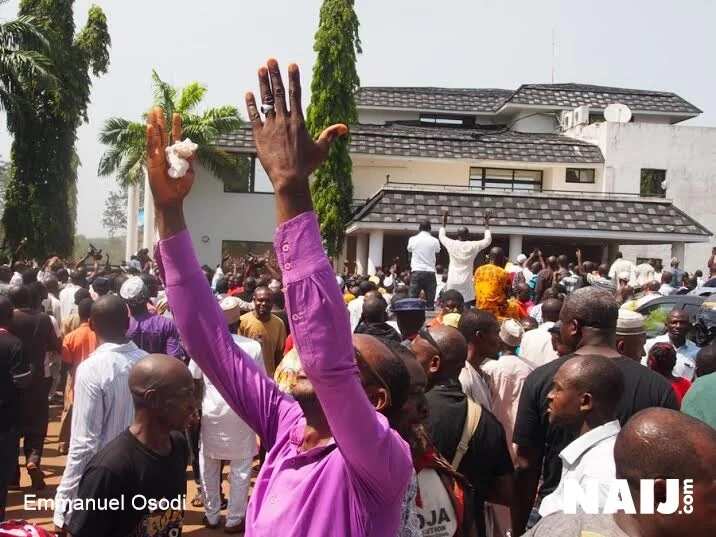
285	148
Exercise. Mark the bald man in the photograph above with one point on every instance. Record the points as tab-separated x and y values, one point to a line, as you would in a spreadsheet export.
588	323
374	317
102	406
656	444
486	463
145	463
584	398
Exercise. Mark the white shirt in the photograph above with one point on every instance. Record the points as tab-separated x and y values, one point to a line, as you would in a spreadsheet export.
589	457
223	434
475	387
462	260
644	273
536	347
16	280
423	247
666	289
102	410
218	275
685	356
355	310
619	266
53	307
67	300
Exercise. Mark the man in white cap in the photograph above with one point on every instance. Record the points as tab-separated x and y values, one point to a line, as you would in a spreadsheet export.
631	334
505	377
462	254
225	436
155	334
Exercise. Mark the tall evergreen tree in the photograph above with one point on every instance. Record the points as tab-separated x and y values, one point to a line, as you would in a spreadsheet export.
335	81
41	198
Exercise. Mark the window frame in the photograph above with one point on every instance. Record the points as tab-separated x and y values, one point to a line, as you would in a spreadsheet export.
579	176
662	193
483	179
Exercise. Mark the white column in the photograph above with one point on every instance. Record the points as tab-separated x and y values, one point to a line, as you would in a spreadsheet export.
605	254
677	251
148	237
613	249
375	251
132	209
515	247
361	254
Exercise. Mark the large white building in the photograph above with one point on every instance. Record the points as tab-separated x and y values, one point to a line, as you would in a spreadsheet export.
554	172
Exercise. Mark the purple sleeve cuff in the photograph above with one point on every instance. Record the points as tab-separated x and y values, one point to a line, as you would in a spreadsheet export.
298	263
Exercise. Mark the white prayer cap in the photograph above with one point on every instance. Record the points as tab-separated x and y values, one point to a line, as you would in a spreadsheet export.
521	258
133	289
231	306
511	332
630	323
274	285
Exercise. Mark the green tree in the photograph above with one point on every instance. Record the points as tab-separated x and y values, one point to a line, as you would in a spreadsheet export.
41	197
335	81
23	59
114	216
126	155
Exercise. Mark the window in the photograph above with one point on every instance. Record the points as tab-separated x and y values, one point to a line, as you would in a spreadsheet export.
443	119
505	179
242	248
580	175
652	183
250	176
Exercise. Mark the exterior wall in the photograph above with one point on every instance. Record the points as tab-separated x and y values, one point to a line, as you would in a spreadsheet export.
688	154
534	122
211	212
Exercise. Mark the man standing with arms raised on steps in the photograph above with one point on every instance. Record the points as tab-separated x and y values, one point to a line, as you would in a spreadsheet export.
423	249
463	252
342	475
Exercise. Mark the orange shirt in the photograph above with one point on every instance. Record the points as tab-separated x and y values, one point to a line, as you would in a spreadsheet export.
78	344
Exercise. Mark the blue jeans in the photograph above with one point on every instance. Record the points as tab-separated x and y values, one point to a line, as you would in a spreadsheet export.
9	442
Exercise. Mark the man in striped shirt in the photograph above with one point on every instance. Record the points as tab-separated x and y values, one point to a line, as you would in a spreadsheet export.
103	403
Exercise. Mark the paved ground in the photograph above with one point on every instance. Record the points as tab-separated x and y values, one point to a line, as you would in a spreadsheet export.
53	465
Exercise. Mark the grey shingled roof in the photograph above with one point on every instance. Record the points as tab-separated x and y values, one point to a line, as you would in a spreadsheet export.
475	101
437	142
573	95
443	99
401	205
478	144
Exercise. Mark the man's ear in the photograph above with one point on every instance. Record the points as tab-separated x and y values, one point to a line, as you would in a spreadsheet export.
620	346
434	364
586	402
379	398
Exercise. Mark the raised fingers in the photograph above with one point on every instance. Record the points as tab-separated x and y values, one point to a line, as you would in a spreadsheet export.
160	124
279	93
294	91
176	128
253	112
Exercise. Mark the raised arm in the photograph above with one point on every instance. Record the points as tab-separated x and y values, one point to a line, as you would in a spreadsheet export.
317	314
200	322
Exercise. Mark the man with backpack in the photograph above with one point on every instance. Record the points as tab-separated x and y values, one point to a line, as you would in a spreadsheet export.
464	433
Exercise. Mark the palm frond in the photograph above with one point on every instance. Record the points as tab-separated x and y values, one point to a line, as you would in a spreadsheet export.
118	131
223	119
190	97
131	172
110	161
199	132
22	31
164	94
220	163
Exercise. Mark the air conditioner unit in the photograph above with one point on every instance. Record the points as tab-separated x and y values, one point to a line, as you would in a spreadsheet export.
566	120
581	116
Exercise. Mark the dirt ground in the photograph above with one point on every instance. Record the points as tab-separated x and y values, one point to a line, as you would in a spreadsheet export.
53	465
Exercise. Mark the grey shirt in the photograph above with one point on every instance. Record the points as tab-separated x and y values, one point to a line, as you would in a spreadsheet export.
577	525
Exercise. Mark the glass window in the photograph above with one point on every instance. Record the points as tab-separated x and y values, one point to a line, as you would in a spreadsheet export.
505	179
652	183
243	179
580	175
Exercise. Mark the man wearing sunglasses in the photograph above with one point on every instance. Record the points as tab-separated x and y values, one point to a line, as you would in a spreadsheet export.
486	463
334	466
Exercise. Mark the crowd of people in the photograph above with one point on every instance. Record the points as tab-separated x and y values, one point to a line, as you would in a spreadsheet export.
413	402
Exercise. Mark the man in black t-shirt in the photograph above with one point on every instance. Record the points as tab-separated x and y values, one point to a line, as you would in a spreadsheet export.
136	485
588	325
14	373
486	464
38	336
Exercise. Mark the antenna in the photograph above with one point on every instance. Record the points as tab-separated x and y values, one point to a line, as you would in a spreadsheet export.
554	55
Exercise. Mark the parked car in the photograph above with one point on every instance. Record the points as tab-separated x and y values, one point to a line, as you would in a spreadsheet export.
705	327
656	311
706	292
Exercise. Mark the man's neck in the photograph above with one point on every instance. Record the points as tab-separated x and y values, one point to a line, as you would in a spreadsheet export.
317	432
677	341
592	421
596	342
155	436
117	340
263	318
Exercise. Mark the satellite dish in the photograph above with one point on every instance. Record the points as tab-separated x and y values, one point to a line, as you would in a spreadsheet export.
617	113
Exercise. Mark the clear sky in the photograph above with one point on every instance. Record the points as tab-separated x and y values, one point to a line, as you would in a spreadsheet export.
657	44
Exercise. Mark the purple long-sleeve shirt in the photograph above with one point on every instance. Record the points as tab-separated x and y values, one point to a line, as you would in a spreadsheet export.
354	485
155	334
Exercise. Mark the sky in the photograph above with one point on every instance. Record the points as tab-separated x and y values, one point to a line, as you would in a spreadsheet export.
657	44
